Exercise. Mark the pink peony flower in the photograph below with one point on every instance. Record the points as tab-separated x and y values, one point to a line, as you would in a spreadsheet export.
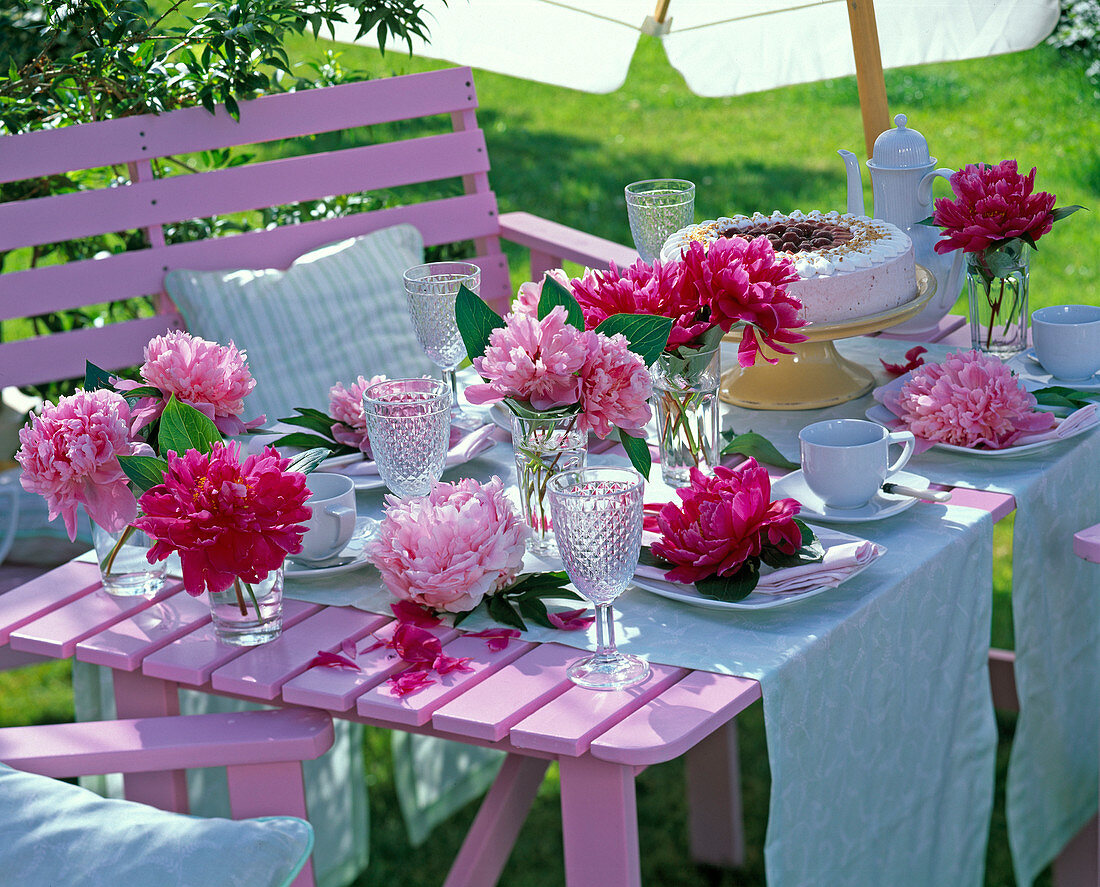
346	407
69	454
992	203
449	549
743	281
615	389
725	519
538	361
227	519
527	298
970	399
212	378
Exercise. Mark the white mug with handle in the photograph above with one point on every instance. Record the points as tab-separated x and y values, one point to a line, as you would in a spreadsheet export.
846	461
332	498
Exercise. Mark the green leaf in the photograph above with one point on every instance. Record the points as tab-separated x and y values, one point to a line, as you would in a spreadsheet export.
554	294
1060	212
647	558
502	610
184	428
731	588
475	321
309	441
637	450
307	460
537	580
142	391
811	552
646	333
96	378
144	471
759	448
524	410
322	424
535	610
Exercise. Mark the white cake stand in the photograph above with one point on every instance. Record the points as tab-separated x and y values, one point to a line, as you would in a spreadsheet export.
816	375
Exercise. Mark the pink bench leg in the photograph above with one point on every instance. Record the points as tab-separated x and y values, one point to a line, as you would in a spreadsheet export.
493	834
267	790
137	696
1077	864
714	799
599	819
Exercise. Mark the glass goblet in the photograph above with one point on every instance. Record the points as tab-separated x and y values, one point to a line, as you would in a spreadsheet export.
409	424
658	208
597	518
431	290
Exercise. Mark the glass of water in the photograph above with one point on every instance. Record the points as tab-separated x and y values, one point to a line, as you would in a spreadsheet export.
409	424
658	208
597	516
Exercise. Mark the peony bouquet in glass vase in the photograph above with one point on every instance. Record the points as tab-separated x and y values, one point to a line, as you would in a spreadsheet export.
732	284
996	218
560	382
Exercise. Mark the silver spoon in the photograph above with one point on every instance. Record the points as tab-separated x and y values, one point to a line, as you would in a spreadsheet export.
927	495
313	564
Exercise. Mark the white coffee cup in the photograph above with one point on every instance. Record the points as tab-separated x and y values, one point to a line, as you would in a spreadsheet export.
332	498
845	461
1067	340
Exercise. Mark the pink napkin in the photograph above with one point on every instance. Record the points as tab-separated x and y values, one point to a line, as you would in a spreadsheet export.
468	447
841	561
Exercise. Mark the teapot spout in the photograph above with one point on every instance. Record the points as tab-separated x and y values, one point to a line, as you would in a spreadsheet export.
855	182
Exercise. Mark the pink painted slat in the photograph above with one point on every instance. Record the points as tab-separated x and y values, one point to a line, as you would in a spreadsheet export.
336	689
58	632
125	644
141	272
564	242
261	671
490	709
63	355
599	820
416	709
999	505
566	725
192	658
685	713
152	744
265	119
237	189
44	593
1086	544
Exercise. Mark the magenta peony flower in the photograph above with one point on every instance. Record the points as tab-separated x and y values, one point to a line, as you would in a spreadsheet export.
992	203
69	454
227	519
743	281
725	519
615	389
970	399
449	549
346	407
538	361
212	378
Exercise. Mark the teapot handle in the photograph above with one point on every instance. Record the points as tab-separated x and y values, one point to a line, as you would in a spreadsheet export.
924	189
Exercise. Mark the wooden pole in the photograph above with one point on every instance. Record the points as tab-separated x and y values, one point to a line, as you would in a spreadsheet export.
872	86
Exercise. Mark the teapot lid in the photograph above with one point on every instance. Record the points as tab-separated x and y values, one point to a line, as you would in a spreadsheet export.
900	148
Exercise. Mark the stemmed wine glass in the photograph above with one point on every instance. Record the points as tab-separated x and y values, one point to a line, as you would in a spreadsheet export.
597	516
431	290
658	208
408	421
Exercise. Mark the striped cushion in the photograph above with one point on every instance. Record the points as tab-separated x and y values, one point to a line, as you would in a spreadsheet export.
338	312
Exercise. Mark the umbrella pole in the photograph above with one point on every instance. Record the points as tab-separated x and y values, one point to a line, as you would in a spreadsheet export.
872	85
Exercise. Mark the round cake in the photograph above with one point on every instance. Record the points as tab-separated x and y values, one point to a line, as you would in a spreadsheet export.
851	266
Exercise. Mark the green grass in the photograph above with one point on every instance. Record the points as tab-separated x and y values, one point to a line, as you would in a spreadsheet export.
566	156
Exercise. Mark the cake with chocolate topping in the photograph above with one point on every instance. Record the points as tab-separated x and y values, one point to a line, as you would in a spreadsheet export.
851	266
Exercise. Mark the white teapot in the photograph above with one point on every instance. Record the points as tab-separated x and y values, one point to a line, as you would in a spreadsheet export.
902	174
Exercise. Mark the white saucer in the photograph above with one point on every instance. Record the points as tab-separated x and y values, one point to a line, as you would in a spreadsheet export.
354	549
881	506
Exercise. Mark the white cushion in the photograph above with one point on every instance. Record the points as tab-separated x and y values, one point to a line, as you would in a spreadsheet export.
338	312
58	833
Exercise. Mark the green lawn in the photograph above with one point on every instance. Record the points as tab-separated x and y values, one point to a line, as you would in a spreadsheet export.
566	156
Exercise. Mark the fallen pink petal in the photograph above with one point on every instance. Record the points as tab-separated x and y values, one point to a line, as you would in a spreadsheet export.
326	659
409	682
571	620
445	664
347	647
414	614
913	356
496	639
414	644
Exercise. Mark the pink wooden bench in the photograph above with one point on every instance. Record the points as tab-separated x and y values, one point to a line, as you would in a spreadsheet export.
152	194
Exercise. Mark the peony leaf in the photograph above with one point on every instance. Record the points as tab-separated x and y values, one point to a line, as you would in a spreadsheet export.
310	441
731	588
554	294
183	428
1060	212
314	420
307	460
524	411
144	471
638	452
535	610
501	609
475	321
538	580
646	333
759	448
95	377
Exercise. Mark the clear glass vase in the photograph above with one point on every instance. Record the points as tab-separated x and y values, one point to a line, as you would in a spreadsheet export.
997	282
123	562
544	446
685	398
246	614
